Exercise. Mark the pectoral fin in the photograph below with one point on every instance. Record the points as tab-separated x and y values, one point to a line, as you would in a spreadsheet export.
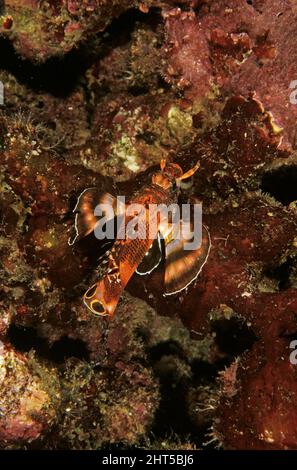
183	266
152	258
85	219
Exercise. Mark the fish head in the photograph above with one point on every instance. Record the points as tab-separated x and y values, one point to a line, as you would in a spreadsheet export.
171	176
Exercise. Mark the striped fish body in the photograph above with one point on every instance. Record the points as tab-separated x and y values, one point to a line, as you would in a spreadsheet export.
127	254
142	253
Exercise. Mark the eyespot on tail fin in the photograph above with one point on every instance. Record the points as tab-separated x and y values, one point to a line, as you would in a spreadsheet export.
102	298
93	303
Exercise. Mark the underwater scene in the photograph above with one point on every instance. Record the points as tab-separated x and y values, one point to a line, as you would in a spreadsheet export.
148	225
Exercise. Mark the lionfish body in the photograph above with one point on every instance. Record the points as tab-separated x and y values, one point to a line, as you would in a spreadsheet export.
126	255
130	253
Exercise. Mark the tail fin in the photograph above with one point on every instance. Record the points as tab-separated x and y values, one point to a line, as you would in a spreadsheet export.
103	297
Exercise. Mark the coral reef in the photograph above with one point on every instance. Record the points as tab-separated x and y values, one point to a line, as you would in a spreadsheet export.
30	395
96	93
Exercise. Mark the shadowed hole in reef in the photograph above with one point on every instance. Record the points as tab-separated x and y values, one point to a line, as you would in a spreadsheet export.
24	339
281	184
282	274
172	416
60	75
289	336
165	348
233	336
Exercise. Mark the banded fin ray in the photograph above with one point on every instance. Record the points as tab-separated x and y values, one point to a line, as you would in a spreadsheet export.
184	266
85	219
152	258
